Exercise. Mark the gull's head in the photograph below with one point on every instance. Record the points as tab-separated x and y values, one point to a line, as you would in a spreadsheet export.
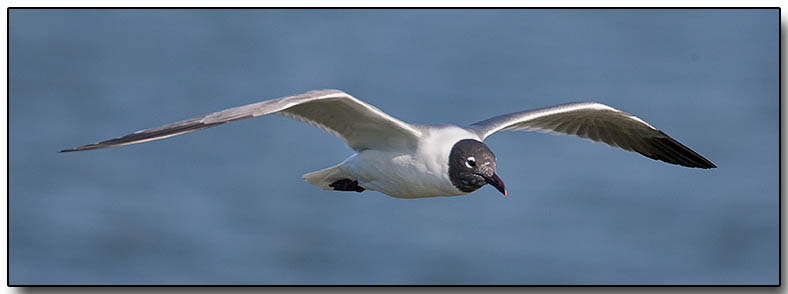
472	165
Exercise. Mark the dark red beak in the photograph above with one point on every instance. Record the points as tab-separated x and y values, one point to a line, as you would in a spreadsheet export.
496	182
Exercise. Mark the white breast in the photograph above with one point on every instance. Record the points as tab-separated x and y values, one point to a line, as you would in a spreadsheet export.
423	172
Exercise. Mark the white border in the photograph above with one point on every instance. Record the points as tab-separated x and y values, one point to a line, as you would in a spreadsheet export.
343	3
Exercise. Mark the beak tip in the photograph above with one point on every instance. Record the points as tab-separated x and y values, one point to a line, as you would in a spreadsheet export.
496	182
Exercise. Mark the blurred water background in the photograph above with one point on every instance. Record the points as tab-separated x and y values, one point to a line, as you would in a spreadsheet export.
227	205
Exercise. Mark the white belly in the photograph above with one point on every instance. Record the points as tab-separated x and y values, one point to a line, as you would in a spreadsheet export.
419	173
399	175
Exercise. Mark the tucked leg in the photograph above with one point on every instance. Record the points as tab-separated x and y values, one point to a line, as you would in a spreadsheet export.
346	185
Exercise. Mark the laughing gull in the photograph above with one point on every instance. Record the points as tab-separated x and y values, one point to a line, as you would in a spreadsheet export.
414	161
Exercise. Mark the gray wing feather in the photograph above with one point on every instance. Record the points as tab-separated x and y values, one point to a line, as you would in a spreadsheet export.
600	123
361	125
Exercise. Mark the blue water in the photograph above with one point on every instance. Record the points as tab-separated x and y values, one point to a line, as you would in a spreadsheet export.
227	205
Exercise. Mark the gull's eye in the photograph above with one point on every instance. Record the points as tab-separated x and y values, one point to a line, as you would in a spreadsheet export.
470	162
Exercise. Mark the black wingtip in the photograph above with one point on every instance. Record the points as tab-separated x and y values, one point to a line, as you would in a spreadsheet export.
69	150
709	166
676	153
699	161
82	148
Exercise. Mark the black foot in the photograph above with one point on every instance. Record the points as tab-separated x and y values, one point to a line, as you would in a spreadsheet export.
346	185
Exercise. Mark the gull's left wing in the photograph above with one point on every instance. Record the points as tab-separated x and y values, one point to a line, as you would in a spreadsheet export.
600	123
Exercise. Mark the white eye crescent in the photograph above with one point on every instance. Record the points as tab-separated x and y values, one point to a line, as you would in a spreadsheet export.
470	162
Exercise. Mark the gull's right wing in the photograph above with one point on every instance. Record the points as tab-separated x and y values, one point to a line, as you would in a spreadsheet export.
361	125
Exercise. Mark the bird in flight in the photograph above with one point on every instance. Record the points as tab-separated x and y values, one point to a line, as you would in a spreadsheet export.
414	161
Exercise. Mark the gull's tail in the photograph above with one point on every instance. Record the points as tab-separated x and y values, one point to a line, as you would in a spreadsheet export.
324	177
